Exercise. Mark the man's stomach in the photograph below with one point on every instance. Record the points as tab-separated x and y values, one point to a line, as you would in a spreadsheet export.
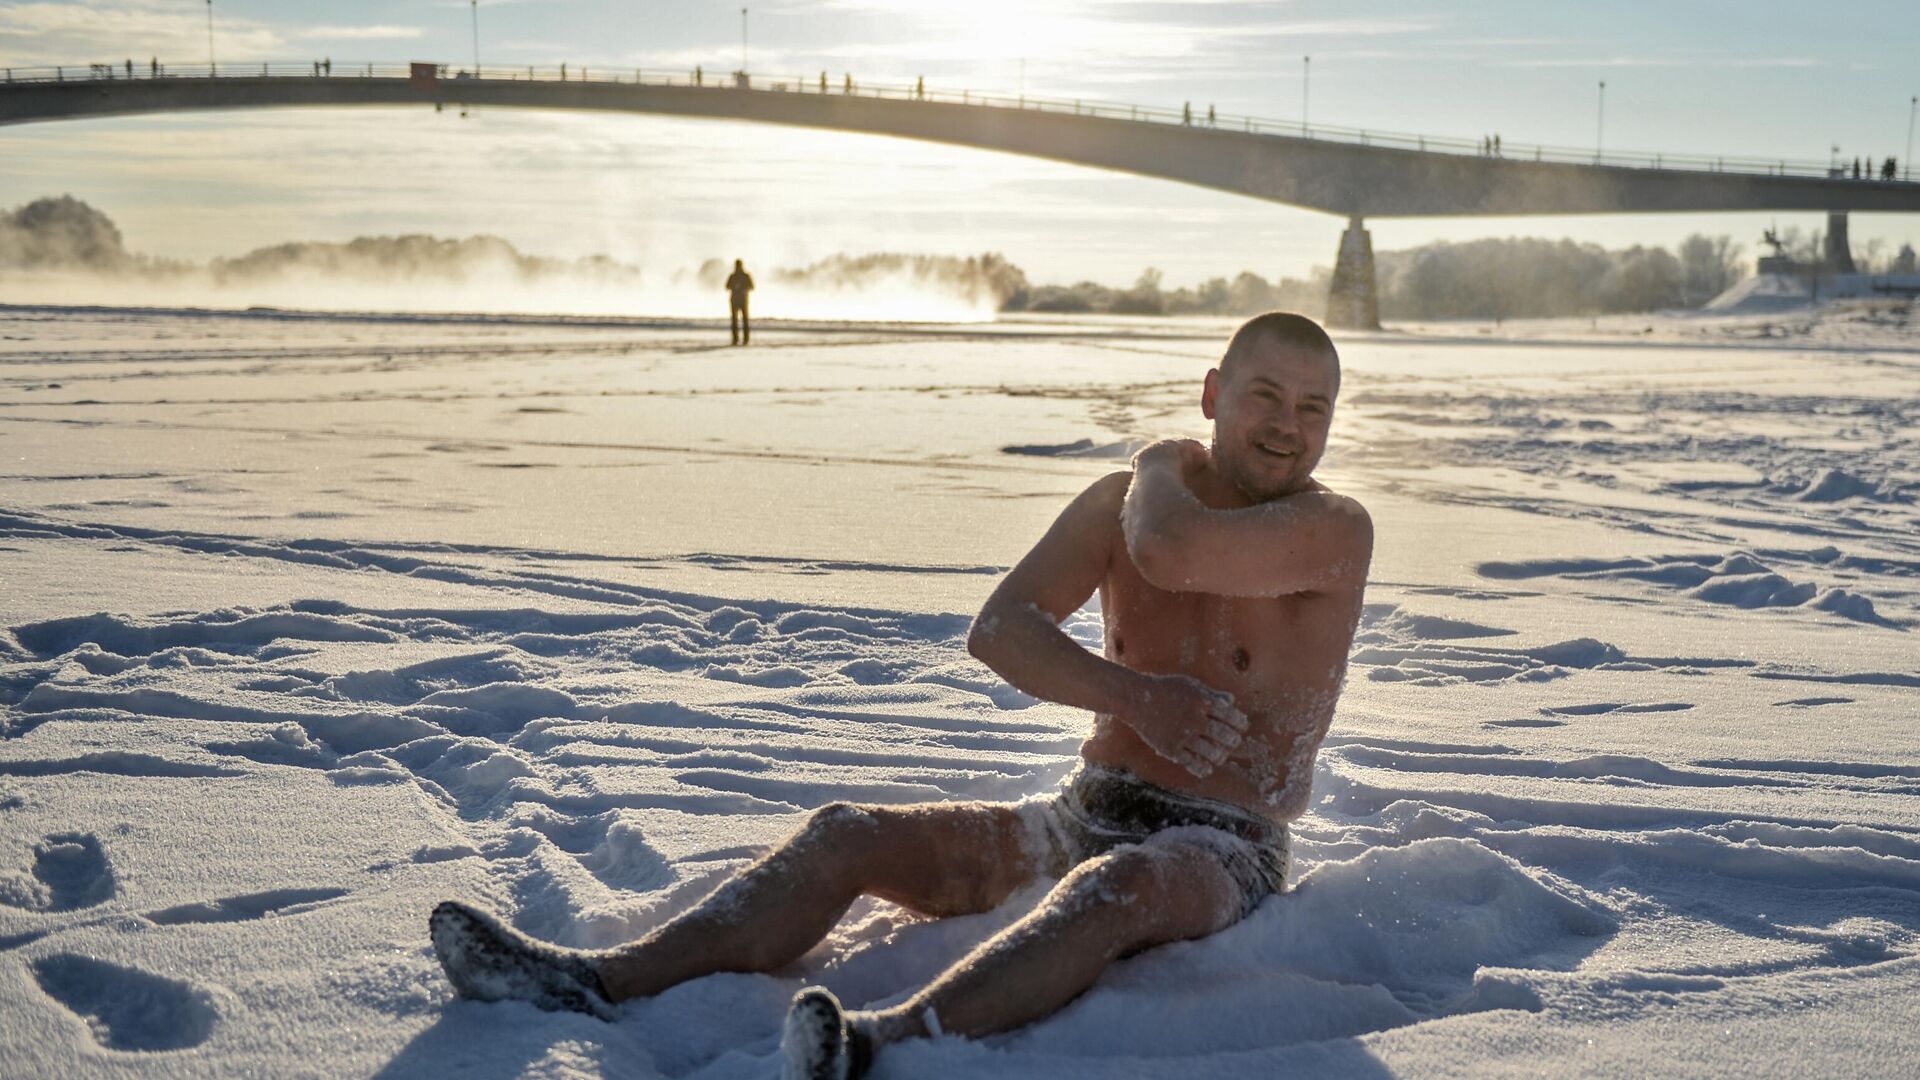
1257	776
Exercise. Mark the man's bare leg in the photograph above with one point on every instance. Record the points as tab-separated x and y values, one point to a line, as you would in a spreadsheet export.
936	859
1131	899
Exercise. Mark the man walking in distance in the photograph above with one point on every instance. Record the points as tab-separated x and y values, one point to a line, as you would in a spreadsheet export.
739	284
1230	583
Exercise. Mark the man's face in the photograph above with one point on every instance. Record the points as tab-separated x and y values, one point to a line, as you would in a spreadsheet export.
1270	417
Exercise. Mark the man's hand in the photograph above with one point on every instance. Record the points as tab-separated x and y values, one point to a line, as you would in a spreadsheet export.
1186	721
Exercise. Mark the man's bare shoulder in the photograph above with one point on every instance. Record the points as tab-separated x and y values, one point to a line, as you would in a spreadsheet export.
1324	533
1334	502
1102	499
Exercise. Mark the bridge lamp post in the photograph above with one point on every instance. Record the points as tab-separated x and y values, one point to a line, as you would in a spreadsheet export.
1913	104
212	69
476	37
743	40
1600	126
1306	89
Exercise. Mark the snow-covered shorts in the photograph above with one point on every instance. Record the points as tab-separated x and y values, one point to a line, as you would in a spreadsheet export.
1101	808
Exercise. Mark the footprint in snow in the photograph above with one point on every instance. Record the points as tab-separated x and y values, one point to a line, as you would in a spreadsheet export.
70	871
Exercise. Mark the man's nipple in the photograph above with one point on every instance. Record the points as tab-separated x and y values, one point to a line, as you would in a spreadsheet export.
1241	661
1119	647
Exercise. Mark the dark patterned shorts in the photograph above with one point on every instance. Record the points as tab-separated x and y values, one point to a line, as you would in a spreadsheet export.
1101	808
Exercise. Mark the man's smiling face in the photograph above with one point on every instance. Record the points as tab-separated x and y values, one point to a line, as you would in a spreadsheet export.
1271	406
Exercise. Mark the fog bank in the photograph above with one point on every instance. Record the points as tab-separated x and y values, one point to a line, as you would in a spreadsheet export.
63	251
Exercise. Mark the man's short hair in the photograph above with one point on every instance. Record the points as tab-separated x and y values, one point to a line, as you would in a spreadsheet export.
1285	329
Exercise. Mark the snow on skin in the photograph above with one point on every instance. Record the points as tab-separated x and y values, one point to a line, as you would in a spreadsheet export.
310	625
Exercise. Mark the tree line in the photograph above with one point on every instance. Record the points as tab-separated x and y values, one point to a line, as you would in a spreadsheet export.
1518	277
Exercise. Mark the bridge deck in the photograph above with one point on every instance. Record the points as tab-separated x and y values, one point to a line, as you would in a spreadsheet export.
1343	171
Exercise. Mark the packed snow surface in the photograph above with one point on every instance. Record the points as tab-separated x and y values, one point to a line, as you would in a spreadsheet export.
308	624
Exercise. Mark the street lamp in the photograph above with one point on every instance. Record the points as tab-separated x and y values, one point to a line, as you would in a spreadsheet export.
476	38
1912	104
1306	85
1600	126
743	40
212	69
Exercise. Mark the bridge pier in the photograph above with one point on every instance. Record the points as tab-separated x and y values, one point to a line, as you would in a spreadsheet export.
1353	300
1839	252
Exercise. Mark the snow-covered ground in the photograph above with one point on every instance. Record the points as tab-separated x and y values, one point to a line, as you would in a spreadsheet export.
306	624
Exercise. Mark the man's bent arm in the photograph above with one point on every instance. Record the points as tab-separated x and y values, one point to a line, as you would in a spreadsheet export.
1024	646
1306	542
1018	634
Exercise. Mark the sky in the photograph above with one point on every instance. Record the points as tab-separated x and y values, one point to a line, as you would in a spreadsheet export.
1764	79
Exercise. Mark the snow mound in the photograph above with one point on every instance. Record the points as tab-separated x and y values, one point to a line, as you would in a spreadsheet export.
1834	485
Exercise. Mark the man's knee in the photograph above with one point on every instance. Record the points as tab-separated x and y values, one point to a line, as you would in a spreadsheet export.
840	823
1152	894
1125	876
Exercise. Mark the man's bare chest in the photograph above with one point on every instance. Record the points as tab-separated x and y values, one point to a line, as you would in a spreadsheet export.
1266	647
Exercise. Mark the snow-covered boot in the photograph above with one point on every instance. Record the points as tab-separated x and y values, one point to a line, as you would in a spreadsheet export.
486	960
818	1043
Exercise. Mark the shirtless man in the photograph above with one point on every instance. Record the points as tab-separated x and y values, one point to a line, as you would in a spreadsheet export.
1230	582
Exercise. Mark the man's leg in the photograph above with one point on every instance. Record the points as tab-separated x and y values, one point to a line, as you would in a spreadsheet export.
746	325
935	858
733	323
1130	899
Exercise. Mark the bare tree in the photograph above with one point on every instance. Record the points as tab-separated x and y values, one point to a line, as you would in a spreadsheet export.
1709	265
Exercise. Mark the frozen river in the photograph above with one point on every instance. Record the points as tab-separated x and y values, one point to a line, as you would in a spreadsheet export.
307	623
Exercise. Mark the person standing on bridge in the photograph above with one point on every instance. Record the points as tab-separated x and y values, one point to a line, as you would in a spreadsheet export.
739	284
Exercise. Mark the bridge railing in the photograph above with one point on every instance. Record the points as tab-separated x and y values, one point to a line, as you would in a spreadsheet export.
814	84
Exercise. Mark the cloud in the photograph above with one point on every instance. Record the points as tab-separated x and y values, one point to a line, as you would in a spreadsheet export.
359	33
34	34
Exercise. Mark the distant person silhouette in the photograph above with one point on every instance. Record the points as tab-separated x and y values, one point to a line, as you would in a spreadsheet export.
1210	117
1889	170
739	284
823	82
153	67
699	77
129	67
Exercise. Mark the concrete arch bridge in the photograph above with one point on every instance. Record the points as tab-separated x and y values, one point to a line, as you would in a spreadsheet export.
1351	172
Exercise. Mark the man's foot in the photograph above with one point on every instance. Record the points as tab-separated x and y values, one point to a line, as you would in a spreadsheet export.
486	960
818	1043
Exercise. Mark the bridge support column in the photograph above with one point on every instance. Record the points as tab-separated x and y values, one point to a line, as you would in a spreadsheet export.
1839	253
1353	302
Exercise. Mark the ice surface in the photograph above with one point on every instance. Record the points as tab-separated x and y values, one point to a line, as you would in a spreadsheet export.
308	624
